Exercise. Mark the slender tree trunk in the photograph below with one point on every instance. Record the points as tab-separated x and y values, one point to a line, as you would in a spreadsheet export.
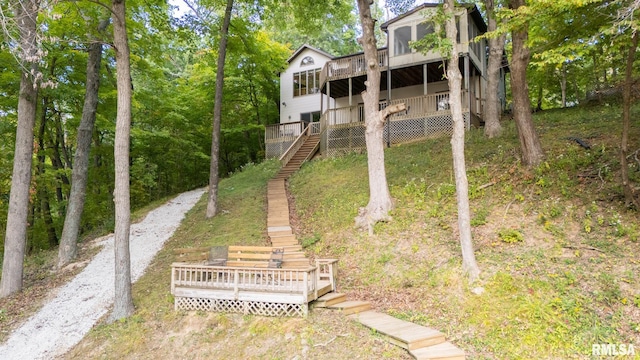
539	97
630	198
43	193
68	242
26	13
492	108
563	84
454	77
379	197
212	203
530	145
123	301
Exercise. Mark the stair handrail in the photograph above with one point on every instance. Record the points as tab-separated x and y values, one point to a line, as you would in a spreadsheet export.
295	146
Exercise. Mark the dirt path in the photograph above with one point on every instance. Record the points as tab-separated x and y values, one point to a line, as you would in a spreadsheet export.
78	305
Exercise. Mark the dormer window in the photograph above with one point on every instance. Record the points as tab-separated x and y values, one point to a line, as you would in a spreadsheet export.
307	60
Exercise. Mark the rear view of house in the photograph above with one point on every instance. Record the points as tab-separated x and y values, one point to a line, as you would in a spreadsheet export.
320	94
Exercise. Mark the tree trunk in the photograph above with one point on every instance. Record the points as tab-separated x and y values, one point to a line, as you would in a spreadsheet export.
630	198
379	197
212	203
530	146
26	13
68	242
492	108
454	77
123	301
563	84
43	193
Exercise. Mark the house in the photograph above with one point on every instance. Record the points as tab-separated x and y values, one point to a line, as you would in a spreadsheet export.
322	92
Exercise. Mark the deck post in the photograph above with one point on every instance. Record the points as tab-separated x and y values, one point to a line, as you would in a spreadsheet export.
305	291
235	283
425	78
350	92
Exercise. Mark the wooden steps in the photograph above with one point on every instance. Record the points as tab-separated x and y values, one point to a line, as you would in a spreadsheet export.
443	351
421	342
402	333
305	152
329	299
351	306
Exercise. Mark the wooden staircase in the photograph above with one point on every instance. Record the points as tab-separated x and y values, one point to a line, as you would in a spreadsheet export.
421	342
306	151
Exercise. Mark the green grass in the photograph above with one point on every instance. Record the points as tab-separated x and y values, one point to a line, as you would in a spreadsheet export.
566	279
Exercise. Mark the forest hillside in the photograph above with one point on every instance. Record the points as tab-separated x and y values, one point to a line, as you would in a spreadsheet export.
557	249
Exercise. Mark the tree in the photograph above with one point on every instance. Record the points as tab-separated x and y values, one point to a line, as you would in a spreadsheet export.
123	301
380	202
26	13
532	153
444	40
68	241
212	203
492	127
629	192
454	78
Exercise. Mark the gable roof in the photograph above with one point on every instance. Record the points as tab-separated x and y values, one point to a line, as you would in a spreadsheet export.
306	46
471	8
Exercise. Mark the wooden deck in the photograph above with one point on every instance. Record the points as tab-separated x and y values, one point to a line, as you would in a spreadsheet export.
246	284
259	291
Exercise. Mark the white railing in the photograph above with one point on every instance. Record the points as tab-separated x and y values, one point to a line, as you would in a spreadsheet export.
340	116
350	67
293	149
327	271
284	131
314	128
237	279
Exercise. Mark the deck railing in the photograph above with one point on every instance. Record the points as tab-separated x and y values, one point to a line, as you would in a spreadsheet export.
351	66
298	281
416	107
286	130
297	144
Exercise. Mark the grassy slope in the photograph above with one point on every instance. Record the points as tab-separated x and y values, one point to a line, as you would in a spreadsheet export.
572	280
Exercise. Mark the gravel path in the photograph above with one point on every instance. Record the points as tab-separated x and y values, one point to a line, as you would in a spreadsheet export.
78	305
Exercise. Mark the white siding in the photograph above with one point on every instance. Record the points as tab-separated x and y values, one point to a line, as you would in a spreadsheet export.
299	104
415	57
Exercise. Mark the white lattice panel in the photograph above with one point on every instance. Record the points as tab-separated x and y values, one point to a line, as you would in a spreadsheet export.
276	149
342	139
242	307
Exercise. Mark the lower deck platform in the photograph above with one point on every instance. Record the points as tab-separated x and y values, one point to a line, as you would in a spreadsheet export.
258	291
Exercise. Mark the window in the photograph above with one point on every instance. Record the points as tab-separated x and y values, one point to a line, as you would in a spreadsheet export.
307	60
402	36
310	116
423	29
306	82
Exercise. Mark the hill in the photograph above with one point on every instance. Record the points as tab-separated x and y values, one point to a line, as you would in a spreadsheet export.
557	251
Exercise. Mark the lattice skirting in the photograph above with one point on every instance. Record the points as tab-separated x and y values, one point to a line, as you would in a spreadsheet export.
239	306
340	140
276	149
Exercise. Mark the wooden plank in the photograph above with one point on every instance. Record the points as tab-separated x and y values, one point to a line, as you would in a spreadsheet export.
249	256
443	351
330	299
243	295
247	263
351	307
407	335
